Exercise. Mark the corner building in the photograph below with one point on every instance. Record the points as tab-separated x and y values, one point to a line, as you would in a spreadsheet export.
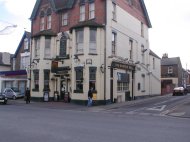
79	44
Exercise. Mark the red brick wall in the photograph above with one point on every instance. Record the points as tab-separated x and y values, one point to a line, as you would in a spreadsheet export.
73	16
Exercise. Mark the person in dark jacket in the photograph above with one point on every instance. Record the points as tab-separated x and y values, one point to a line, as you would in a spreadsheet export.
27	95
90	95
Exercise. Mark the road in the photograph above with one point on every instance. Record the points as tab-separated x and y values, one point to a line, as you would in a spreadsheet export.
41	122
158	106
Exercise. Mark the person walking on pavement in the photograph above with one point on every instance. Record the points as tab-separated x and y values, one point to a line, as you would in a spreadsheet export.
27	96
90	95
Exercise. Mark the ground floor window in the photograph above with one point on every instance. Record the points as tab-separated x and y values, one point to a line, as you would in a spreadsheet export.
79	78
36	80
46	80
122	82
92	78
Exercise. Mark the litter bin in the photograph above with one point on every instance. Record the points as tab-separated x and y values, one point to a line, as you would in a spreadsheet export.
127	96
46	96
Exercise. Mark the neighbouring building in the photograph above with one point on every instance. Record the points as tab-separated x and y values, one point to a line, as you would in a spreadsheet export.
104	44
171	73
5	65
16	75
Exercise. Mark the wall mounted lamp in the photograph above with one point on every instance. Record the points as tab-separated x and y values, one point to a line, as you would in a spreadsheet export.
102	68
76	58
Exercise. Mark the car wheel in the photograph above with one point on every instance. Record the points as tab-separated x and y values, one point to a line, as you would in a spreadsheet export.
5	102
14	97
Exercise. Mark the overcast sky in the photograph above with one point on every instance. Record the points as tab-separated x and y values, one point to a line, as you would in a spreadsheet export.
170	30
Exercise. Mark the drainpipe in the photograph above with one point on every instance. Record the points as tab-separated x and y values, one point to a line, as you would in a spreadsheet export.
105	52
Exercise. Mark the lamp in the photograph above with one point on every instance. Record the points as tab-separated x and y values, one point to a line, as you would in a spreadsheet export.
102	68
76	59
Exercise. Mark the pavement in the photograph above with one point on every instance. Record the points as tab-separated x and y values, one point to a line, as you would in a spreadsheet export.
182	110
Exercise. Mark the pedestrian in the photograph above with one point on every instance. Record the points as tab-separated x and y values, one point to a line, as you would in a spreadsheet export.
27	96
90	95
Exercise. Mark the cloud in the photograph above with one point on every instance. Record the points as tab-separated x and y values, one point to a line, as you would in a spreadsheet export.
14	7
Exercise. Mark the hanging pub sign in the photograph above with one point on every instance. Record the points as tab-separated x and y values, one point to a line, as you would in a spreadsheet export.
122	66
54	66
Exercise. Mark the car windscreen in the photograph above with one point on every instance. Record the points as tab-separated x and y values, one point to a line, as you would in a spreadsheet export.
15	89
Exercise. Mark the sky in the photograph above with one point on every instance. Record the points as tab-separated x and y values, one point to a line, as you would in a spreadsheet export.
169	34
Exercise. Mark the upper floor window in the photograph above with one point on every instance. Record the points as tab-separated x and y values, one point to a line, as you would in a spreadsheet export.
114	35
49	22
49	18
130	2
131	49
82	12
42	20
153	60
79	41
170	70
24	61
114	11
92	42
91	10
47	52
26	44
64	19
37	48
142	29
143	53
63	46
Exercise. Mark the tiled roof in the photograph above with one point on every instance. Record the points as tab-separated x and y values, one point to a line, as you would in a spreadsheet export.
89	23
55	4
45	33
170	61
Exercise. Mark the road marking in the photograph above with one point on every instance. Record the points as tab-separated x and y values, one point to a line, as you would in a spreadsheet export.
157	108
177	114
161	103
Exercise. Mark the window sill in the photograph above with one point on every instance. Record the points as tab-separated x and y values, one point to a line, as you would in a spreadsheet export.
78	91
62	57
92	54
35	90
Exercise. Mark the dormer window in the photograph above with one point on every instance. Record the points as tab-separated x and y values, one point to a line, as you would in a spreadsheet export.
49	18
91	11
82	12
26	44
42	20
64	19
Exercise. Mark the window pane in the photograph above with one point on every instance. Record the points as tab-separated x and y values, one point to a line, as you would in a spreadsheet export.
47	47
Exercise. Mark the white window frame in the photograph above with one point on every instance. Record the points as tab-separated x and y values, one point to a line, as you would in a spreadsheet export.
47	49
114	43
79	41
24	60
42	23
26	44
92	41
170	70
82	12
49	19
64	19
91	10
37	48
114	11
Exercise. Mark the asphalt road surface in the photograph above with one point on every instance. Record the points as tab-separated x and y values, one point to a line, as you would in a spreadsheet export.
34	123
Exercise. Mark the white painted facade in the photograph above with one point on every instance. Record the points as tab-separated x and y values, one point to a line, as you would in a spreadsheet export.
142	79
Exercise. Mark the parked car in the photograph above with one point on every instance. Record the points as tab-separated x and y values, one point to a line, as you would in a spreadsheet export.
12	93
3	99
179	91
188	88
